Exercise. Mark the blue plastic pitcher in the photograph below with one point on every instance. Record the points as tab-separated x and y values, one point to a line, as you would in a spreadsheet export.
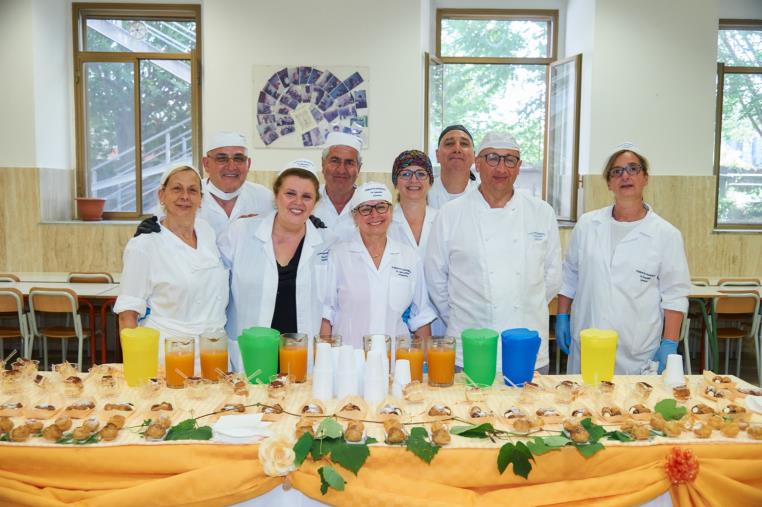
520	347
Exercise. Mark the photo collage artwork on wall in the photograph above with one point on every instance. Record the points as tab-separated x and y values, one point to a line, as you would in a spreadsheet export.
299	106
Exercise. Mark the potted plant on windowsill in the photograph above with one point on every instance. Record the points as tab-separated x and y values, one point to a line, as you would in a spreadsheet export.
90	209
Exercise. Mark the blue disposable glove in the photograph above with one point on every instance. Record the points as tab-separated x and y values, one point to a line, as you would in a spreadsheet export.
563	332
666	347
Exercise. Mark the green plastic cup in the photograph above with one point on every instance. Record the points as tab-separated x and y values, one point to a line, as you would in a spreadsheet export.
479	356
259	351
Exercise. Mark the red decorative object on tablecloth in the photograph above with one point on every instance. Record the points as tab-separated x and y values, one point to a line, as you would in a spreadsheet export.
681	466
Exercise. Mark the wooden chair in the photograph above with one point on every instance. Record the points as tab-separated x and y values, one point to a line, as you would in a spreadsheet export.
93	308
12	305
58	301
553	311
9	277
739	282
90	277
703	282
741	309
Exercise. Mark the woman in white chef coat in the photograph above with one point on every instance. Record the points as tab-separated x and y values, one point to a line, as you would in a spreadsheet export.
278	261
373	278
177	273
412	176
626	270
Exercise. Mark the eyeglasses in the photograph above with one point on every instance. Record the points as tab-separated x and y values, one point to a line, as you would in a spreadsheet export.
631	169
406	174
224	159
367	209
493	160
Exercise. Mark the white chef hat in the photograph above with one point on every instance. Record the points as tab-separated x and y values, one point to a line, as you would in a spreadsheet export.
370	191
343	139
170	170
221	138
301	163
499	141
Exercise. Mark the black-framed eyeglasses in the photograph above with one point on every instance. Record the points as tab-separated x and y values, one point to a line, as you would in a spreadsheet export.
631	169
493	160
406	174
366	209
222	159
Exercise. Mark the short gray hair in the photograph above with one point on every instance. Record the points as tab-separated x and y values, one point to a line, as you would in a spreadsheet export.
328	149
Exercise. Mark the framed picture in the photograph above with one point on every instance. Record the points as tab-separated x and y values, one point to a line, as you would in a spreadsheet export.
297	107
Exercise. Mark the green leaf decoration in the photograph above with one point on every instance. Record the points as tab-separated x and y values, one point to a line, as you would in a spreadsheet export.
370	440
350	456
517	455
302	448
473	431
188	430
620	436
329	428
541	445
68	439
669	410
418	443
329	477
5	438
588	450
322	447
596	432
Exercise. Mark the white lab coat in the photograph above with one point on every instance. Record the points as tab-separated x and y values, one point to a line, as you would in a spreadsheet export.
494	267
362	299
629	291
400	230
185	288
253	199
438	195
342	225
247	249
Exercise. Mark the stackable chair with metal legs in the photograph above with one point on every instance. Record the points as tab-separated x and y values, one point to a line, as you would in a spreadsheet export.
736	317
61	302
12	306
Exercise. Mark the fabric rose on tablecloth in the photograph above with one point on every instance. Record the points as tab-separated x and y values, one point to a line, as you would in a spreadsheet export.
277	456
681	466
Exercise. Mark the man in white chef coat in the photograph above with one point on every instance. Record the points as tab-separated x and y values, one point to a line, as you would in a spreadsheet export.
341	164
227	195
455	154
494	256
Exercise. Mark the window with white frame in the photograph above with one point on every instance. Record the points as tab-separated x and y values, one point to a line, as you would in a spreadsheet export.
493	71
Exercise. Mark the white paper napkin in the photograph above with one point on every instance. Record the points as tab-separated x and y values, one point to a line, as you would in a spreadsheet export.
754	403
238	429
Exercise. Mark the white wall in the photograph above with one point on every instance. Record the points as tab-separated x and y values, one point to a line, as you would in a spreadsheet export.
384	36
740	9
653	82
17	136
52	84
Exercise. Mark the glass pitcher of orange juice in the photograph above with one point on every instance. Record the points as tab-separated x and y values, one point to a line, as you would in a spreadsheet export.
214	354
292	356
179	359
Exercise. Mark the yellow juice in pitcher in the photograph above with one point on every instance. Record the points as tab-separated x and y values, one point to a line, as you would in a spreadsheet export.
140	350
598	354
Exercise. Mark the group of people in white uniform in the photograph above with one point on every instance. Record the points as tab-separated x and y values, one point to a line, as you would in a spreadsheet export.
463	250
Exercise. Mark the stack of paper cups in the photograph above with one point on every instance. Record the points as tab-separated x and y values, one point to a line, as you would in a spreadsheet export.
673	373
375	379
322	373
359	368
345	378
379	344
401	377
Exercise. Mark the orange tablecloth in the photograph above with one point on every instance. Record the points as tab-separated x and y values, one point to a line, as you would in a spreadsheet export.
202	474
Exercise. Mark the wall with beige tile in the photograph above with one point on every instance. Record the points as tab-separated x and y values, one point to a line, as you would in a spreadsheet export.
26	244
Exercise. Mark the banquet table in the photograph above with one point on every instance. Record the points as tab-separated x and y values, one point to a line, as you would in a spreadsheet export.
131	471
